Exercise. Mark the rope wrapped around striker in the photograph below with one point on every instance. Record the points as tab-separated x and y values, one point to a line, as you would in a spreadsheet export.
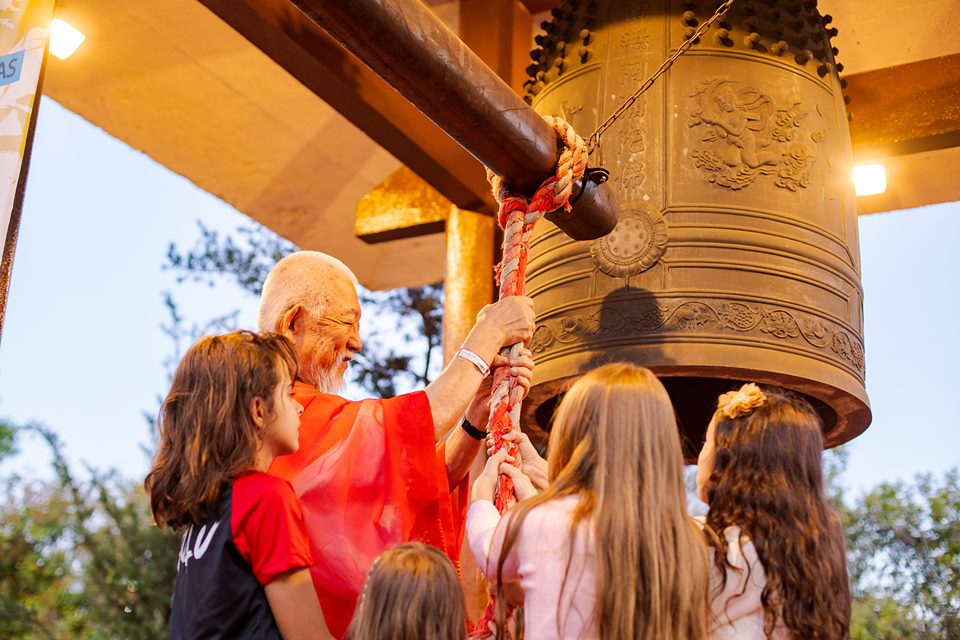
517	216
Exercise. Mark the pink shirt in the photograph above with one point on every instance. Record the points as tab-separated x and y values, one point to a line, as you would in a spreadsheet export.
539	559
737	610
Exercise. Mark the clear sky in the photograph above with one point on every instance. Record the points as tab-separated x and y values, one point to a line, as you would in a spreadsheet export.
82	348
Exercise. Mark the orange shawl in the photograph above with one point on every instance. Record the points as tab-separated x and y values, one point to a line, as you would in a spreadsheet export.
368	475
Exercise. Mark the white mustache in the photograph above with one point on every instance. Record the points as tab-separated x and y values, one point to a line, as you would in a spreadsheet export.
327	380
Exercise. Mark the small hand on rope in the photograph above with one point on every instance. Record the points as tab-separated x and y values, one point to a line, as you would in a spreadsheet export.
534	466
520	368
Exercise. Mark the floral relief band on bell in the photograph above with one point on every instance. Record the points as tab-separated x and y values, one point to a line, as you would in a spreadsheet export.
735	404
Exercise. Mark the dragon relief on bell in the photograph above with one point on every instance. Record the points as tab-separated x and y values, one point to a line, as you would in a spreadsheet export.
745	135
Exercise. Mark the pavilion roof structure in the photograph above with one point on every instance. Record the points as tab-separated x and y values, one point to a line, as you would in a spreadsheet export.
251	102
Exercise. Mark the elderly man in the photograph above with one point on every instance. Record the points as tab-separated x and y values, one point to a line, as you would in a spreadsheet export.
371	473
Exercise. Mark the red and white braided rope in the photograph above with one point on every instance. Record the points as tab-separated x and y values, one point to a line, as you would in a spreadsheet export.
518	214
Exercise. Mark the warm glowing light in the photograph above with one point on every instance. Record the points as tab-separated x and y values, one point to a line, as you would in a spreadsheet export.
64	39
869	179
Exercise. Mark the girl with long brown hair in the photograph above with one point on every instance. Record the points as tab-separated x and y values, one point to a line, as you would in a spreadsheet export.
412	592
778	550
243	568
606	550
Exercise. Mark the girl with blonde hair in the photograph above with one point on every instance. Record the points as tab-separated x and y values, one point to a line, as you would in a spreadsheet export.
412	592
606	550
778	550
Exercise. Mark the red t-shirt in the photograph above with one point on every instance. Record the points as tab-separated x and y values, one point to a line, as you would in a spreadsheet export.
257	534
368	474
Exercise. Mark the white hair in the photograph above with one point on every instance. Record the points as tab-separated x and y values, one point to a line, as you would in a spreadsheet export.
310	278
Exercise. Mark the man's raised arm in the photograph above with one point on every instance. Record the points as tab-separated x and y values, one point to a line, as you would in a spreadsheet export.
501	324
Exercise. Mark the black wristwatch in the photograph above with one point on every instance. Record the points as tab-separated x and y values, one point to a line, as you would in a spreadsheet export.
472	431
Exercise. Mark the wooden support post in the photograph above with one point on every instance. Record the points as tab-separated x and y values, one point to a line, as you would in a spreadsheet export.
468	282
468	286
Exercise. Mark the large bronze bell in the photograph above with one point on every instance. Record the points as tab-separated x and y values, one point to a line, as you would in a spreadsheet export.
736	255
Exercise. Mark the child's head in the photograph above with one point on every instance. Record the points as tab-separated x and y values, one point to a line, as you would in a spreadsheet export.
228	401
760	435
761	470
412	592
614	427
615	443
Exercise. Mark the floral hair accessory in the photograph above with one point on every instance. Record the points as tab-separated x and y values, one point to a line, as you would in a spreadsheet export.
739	403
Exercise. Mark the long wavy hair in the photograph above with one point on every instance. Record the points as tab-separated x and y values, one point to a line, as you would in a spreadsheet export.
207	435
615	444
767	479
412	592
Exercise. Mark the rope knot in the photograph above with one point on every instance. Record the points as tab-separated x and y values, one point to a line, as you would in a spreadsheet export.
554	192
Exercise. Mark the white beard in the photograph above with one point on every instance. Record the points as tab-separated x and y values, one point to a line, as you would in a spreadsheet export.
325	380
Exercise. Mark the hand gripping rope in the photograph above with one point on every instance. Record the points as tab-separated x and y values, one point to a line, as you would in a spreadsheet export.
517	216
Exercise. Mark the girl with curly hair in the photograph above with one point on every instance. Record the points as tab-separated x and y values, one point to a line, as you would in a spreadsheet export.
779	567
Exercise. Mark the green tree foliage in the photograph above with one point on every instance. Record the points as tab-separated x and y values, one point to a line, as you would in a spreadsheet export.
903	554
37	584
382	369
246	260
81	558
904	550
7	435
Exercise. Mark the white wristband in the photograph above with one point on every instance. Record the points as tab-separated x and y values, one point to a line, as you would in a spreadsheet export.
477	361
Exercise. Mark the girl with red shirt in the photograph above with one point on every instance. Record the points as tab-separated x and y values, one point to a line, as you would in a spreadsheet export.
243	568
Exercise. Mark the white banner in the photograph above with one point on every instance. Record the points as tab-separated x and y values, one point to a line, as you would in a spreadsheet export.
24	28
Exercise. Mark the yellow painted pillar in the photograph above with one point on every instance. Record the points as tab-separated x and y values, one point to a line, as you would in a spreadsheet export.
468	286
468	281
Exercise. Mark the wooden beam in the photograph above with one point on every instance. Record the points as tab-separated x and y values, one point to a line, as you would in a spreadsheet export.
906	109
417	54
915	180
404	205
307	53
907	118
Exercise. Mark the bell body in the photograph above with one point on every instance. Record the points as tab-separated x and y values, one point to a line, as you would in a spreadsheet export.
736	257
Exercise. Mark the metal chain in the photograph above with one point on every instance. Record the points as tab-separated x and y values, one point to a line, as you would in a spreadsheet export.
594	141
